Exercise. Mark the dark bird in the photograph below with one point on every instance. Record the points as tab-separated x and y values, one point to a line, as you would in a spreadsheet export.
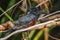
27	20
30	18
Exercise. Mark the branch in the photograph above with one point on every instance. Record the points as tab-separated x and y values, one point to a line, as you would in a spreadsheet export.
42	3
54	22
50	16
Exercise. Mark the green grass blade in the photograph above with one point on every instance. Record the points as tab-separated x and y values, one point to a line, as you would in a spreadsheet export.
6	15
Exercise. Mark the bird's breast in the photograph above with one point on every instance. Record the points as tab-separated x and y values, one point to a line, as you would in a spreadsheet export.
27	19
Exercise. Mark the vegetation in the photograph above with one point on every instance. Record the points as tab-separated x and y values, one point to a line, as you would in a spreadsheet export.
14	13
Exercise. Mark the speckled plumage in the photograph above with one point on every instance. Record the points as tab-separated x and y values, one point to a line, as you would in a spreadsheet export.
31	15
28	19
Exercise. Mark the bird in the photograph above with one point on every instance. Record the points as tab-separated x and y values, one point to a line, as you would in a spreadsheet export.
28	19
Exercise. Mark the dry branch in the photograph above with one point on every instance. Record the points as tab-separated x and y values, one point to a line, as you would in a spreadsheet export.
50	16
42	3
55	22
48	24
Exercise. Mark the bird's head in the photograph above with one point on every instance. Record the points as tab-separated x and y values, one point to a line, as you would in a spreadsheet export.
36	11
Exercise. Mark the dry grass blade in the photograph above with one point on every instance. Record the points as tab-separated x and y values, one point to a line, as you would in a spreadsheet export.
24	4
42	3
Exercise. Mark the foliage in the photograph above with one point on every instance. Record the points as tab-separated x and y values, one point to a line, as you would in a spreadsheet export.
15	12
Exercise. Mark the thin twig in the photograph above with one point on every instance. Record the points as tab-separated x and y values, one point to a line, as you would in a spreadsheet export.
49	15
42	3
53	37
14	10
